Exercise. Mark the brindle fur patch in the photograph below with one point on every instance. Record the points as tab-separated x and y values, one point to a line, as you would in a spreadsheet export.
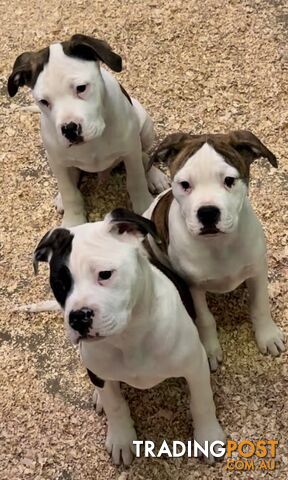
239	149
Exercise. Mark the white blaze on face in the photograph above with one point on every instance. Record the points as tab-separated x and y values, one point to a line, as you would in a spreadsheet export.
57	84
205	173
96	250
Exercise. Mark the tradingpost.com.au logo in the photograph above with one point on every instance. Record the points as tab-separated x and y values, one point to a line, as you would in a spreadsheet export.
244	455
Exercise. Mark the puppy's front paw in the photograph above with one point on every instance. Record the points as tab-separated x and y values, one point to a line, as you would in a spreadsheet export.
213	350
119	442
270	339
157	180
211	432
71	220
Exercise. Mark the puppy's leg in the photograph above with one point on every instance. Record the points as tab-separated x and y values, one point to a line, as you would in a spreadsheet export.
136	180
121	432
75	176
157	180
206	425
269	337
207	328
72	200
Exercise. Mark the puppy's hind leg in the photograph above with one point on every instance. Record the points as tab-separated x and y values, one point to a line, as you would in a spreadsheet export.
121	432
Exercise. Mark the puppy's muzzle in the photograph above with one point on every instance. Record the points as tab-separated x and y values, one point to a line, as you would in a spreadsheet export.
72	131
209	215
81	320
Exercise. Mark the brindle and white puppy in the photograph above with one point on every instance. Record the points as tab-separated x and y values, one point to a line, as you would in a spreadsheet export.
210	233
88	121
129	320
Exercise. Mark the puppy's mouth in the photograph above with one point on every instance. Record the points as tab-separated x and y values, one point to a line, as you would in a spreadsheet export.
213	230
89	338
77	141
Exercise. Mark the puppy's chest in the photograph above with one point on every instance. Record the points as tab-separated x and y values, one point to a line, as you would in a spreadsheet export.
92	159
217	275
221	282
138	369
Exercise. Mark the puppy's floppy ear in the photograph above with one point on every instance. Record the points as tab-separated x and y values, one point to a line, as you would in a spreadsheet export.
57	241
169	148
89	48
250	147
126	221
26	69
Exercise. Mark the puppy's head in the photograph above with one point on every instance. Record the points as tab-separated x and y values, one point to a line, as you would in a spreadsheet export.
210	176
67	84
97	272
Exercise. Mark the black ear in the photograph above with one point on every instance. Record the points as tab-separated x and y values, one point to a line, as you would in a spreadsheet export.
57	241
89	48
127	221
26	70
169	148
250	147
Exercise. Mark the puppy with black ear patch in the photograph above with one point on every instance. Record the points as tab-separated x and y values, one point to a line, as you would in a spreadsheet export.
88	121
128	319
209	232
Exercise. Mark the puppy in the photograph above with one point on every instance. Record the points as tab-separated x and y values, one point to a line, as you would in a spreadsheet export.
128	319
88	121
209	232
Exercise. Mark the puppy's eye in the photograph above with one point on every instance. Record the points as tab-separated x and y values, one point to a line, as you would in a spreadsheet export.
185	185
44	102
229	181
81	88
104	275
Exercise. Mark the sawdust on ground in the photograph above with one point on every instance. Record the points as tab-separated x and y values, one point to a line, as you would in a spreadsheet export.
199	65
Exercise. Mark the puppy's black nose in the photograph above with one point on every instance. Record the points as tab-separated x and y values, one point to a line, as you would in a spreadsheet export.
72	131
81	320
208	215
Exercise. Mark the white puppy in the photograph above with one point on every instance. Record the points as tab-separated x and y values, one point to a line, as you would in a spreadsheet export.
210	234
88	121
129	321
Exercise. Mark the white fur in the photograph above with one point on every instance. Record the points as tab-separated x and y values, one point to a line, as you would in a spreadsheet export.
147	335
219	263
112	129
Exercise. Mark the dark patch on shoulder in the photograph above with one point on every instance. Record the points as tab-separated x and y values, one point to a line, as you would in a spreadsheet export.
125	93
97	381
55	248
160	217
180	284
